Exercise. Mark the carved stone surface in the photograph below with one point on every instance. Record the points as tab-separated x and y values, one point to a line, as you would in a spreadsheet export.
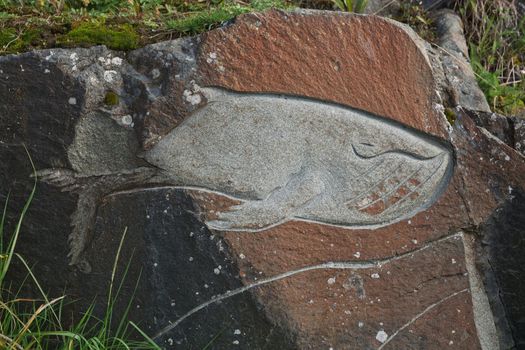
287	158
288	181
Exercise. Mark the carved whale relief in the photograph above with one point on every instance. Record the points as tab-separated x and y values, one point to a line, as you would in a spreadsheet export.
285	158
295	158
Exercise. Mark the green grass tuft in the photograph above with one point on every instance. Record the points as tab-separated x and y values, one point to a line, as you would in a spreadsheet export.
495	32
205	20
36	324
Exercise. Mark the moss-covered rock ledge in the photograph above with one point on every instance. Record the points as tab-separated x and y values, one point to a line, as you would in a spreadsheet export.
121	26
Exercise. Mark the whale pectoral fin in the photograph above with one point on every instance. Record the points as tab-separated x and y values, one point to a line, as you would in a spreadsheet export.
282	204
253	215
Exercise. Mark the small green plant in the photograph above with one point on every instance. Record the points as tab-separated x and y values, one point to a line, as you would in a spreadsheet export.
36	324
357	6
451	115
417	18
111	98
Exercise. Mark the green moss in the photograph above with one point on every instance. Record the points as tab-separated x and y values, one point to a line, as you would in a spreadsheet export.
11	41
451	115
111	98
6	36
117	37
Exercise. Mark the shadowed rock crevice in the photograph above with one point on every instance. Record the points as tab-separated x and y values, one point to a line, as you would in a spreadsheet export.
504	242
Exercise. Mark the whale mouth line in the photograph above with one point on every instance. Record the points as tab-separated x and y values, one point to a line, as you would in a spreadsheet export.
412	155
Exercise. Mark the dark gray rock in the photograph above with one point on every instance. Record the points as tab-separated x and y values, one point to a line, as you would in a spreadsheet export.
504	242
176	264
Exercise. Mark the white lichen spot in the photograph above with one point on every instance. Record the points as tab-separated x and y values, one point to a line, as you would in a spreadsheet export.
453	261
375	275
237	332
73	57
212	57
414	241
206	286
451	342
170	341
155	264
191	97
360	324
235	342
155	73
507	158
331	280
127	120
72	101
117	61
190	258
410	222
381	336
172	304
110	75
242	256
357	255
47	71
216	271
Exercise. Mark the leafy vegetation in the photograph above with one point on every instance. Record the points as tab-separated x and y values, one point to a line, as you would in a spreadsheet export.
413	14
496	37
37	324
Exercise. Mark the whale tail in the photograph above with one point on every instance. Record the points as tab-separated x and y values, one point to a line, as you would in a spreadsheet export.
91	189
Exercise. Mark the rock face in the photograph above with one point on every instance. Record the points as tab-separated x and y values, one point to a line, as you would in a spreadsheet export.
288	181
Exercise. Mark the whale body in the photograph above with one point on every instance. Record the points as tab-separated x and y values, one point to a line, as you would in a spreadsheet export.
287	157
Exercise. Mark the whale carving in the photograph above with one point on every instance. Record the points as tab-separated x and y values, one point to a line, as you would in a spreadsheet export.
284	158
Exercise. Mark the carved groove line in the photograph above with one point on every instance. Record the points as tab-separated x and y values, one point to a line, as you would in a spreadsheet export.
356	265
